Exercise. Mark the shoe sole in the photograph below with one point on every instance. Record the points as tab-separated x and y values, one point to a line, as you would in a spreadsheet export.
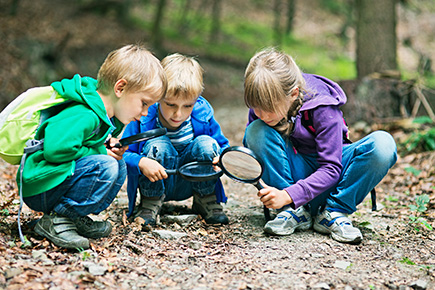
286	232
60	242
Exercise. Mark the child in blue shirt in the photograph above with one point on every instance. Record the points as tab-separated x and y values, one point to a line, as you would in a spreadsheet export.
193	135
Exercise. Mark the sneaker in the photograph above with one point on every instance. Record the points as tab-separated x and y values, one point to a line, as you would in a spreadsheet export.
338	225
149	208
211	211
289	220
61	231
89	228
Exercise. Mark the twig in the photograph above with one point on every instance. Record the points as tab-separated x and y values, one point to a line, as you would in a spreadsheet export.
423	100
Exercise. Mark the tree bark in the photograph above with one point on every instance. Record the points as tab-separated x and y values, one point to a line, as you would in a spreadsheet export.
376	36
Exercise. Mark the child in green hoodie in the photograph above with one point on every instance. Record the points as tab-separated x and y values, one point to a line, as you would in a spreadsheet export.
76	174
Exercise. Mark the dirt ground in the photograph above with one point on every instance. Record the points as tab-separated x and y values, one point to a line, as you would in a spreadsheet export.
395	254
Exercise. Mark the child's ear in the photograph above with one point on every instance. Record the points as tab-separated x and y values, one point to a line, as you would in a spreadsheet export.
120	87
295	92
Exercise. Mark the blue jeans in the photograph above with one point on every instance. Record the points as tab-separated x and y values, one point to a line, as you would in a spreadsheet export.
365	163
95	183
202	148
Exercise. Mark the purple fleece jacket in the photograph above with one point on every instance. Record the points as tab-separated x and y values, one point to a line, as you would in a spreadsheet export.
324	101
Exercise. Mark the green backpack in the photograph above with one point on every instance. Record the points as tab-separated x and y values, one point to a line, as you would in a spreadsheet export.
20	120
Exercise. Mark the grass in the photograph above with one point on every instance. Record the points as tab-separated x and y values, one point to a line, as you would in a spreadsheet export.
240	38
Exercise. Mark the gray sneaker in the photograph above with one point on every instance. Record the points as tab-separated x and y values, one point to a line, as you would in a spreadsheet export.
289	220
338	225
61	231
89	228
149	208
211	211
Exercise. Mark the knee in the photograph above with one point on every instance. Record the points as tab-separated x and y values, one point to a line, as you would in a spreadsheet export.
158	148
206	146
385	148
110	168
257	134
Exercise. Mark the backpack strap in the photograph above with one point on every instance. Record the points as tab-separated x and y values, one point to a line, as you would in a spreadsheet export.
307	122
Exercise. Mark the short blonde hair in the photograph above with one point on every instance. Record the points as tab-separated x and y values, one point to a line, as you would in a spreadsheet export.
138	66
270	78
185	76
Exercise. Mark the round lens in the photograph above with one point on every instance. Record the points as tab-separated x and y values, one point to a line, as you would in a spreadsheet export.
241	166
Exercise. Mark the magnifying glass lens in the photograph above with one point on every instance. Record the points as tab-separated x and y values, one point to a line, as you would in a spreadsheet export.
241	166
200	170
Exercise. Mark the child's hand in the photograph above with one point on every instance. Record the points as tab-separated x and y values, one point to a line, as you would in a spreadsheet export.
215	160
271	197
152	169
114	151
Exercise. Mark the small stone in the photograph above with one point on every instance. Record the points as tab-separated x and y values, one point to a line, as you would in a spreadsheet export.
169	235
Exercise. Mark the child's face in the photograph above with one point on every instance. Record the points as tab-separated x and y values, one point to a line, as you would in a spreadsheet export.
270	118
174	111
132	105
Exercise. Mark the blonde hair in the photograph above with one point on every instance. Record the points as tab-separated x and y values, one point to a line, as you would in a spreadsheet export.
270	78
185	76
138	66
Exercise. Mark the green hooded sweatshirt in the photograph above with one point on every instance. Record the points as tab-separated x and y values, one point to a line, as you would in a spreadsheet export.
77	131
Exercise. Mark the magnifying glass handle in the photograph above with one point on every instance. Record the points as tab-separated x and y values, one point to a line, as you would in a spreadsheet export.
265	209
117	145
258	186
171	171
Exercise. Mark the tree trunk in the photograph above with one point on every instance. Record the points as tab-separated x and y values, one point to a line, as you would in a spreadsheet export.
156	32
215	25
277	22
290	16
376	36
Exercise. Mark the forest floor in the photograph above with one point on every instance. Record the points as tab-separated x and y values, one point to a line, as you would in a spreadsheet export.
398	251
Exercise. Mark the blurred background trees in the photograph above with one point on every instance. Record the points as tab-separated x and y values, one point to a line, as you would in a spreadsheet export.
379	51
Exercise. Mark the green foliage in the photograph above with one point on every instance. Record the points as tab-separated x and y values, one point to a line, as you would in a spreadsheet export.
406	260
366	225
85	254
413	170
420	208
423	120
26	244
392	198
240	37
419	141
421	202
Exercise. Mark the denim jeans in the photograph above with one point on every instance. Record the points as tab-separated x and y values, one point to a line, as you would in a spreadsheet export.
365	163
95	183
202	148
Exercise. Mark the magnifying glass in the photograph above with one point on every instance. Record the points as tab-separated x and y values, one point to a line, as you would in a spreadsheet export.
139	137
197	171
237	162
242	165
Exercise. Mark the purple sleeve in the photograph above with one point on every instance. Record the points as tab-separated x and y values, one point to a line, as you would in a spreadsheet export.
251	117
329	146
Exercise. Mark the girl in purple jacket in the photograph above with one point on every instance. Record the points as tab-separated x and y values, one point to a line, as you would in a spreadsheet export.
316	178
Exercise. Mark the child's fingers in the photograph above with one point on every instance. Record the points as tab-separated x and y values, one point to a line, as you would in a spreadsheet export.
215	160
263	192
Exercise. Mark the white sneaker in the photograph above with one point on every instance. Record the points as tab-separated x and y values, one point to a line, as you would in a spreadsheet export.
338	225
289	220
